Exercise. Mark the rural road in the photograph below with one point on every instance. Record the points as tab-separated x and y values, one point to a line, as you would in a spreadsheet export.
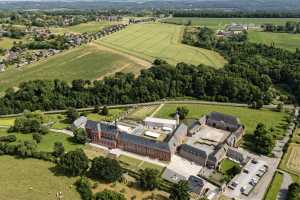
287	180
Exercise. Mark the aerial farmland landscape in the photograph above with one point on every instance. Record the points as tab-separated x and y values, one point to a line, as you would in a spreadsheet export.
149	100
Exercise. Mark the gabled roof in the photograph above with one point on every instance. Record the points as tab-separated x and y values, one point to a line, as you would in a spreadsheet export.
101	127
138	140
193	150
178	133
228	119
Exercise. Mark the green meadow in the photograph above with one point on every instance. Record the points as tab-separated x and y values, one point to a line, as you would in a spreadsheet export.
156	40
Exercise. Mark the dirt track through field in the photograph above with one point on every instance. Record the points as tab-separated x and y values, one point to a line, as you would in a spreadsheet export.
139	61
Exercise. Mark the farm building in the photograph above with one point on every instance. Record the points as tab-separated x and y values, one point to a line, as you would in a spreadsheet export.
210	138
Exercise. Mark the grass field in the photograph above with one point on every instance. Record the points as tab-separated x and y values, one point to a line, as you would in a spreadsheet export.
7	121
113	114
274	187
218	23
48	140
81	28
150	41
226	164
28	179
86	62
7	43
136	164
141	112
249	117
282	40
290	162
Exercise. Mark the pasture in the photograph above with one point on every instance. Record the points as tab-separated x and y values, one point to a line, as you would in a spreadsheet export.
249	117
29	179
219	23
155	40
282	40
86	62
7	43
82	28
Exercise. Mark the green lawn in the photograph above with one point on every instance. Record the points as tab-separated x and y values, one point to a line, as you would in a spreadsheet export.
48	140
7	121
282	40
7	43
155	40
141	112
86	62
81	28
113	114
227	164
29	179
136	164
274	188
249	117
219	23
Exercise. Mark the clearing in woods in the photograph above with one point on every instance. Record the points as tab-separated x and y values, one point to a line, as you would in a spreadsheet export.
87	62
155	40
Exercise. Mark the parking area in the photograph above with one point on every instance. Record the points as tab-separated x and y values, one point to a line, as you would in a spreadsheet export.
247	180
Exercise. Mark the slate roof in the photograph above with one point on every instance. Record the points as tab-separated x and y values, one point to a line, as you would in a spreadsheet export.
196	184
228	119
101	126
193	150
138	140
92	125
178	133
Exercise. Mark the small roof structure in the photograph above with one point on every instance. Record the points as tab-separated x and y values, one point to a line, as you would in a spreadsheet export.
152	134
160	120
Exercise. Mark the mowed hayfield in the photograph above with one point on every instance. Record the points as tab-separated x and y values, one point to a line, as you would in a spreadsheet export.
290	162
86	62
156	40
7	43
282	40
28	179
219	23
82	28
141	112
249	117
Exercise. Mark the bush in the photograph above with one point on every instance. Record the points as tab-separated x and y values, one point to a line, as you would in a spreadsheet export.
109	195
105	111
72	114
80	136
84	189
149	179
106	169
8	138
58	149
74	163
37	137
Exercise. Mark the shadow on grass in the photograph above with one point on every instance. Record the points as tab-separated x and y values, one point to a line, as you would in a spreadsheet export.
59	172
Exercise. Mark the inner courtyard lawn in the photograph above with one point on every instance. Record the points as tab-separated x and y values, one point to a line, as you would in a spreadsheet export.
249	117
32	179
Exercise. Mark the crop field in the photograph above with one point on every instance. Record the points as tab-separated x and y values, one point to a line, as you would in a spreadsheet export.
217	23
29	179
291	162
275	187
86	62
82	28
249	117
282	40
141	112
155	40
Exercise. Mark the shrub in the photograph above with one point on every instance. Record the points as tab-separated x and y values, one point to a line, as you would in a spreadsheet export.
84	189
37	137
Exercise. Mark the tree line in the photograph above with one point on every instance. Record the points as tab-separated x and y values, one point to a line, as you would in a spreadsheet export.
235	14
288	27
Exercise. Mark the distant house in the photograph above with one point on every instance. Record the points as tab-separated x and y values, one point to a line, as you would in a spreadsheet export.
2	67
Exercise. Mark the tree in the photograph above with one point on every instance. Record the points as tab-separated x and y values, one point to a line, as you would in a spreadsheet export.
263	141
58	149
109	195
97	109
106	169
279	107
84	188
74	163
37	137
105	111
149	179
80	136
233	171
182	112
293	192
72	114
180	191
